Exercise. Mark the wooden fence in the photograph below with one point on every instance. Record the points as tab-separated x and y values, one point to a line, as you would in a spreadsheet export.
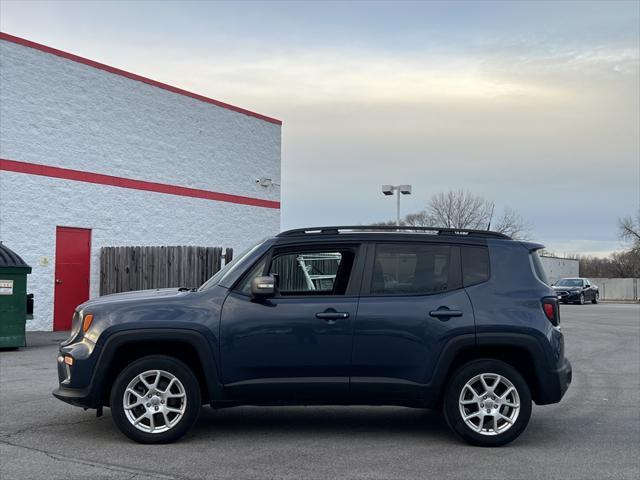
123	269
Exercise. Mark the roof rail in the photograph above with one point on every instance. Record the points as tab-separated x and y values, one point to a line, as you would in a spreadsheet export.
334	230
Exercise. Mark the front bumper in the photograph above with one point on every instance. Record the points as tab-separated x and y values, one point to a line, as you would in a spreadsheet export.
75	396
75	378
568	296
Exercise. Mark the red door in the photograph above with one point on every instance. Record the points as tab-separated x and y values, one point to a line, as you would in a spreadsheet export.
73	252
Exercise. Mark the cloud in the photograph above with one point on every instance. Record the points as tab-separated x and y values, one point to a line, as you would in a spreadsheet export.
533	105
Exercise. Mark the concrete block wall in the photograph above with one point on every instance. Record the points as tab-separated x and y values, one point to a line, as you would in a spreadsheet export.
627	289
61	113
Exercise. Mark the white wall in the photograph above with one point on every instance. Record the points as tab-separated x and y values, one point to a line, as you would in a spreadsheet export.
60	113
557	268
618	288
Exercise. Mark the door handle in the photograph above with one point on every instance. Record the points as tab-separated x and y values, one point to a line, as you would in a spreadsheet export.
58	281
443	313
332	315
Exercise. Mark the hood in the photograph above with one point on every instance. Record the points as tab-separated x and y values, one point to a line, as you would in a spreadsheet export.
116	298
560	287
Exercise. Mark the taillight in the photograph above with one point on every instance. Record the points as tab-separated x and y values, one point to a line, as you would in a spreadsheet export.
551	310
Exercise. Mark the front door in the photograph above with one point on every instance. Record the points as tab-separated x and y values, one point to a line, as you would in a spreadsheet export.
295	346
412	304
73	253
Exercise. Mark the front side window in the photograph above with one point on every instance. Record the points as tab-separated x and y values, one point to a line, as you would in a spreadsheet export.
410	269
312	273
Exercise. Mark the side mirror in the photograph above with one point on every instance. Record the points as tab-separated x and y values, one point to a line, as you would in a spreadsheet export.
263	287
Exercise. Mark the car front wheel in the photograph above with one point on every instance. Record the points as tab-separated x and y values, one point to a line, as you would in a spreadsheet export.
156	399
487	403
595	298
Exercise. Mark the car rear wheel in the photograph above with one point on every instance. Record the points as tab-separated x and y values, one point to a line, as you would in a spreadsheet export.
487	403
156	399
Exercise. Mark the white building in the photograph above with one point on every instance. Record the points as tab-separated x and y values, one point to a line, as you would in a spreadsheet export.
557	268
94	156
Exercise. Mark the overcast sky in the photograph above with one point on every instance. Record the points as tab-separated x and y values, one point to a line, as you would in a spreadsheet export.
533	105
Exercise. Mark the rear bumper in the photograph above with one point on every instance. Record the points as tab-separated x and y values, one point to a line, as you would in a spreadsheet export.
555	384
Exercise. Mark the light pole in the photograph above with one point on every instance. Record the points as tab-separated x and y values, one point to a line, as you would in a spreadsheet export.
398	189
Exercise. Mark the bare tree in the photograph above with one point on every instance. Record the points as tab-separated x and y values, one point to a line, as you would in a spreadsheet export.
511	223
388	223
629	230
462	209
626	264
459	209
420	219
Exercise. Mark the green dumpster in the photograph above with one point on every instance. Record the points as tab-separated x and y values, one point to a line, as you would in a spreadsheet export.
13	298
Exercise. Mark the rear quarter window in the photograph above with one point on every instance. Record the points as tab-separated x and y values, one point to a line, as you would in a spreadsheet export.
475	265
538	269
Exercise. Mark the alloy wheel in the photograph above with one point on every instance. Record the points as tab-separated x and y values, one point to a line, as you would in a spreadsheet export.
154	401
489	404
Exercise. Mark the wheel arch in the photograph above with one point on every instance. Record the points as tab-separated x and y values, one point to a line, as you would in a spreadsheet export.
188	346
522	352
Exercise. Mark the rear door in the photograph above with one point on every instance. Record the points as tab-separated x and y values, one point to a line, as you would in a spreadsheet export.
411	305
295	346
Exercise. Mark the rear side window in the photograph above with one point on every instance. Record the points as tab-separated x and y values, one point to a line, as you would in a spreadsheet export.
538	268
475	265
410	269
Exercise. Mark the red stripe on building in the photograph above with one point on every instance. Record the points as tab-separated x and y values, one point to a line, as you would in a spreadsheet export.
133	76
101	179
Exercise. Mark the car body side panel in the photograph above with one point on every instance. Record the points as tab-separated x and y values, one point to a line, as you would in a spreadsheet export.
278	348
397	344
140	317
511	302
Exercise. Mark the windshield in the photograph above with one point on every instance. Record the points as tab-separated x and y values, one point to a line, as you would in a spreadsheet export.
570	282
224	270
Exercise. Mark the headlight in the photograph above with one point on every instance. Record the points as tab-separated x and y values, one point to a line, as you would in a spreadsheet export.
76	325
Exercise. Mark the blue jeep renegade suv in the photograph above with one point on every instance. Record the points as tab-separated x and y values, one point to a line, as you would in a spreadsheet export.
460	320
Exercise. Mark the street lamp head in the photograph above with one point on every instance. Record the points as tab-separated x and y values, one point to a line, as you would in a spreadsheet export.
387	189
405	189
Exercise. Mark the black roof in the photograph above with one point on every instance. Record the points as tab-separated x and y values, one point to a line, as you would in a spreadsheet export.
9	258
335	230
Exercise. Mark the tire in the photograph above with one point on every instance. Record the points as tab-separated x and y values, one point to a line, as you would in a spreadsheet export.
173	407
581	301
483	432
595	298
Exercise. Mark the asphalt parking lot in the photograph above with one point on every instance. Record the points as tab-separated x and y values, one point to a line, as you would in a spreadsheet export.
594	433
